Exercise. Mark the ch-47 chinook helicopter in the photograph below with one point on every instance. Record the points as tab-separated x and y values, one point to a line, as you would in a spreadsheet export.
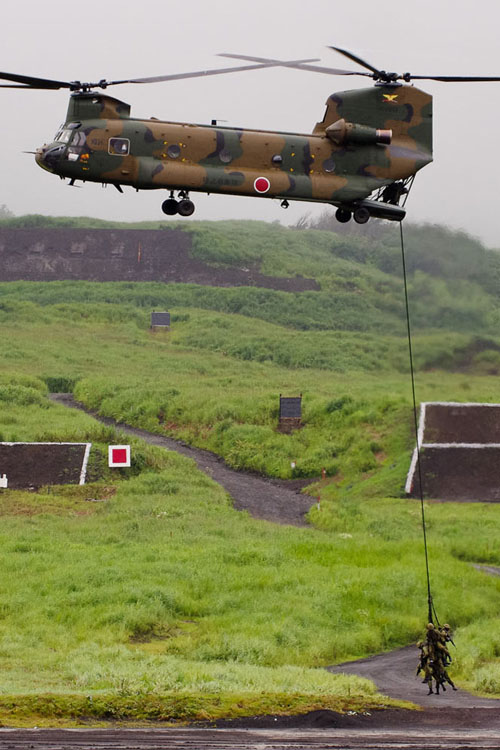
362	157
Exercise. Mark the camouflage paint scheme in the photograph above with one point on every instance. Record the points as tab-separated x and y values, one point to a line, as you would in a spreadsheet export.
324	166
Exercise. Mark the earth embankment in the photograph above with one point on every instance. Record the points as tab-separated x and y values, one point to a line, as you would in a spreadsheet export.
122	255
459	453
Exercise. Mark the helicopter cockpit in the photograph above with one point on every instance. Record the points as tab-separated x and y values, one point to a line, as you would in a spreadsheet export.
63	135
65	131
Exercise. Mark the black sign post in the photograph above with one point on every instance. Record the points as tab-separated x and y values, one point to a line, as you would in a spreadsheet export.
290	413
160	320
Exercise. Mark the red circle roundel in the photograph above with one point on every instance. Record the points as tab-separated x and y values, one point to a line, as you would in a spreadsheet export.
261	185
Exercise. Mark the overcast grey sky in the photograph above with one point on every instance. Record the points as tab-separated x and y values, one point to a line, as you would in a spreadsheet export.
97	39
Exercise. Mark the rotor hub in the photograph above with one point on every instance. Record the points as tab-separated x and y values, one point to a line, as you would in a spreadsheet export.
387	77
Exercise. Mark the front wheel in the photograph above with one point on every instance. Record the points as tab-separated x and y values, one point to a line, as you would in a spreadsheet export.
170	207
343	215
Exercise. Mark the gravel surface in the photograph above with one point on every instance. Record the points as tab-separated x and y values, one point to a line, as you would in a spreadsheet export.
322	730
394	675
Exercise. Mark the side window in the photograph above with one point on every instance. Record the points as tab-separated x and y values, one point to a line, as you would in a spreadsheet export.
119	146
75	150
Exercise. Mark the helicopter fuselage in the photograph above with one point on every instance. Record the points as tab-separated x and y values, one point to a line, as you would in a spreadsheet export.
342	162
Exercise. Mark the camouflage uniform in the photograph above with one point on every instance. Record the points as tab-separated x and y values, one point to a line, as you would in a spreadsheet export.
446	636
434	657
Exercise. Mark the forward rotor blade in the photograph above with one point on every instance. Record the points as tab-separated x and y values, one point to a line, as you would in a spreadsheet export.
19	86
22	81
32	82
299	65
265	60
195	74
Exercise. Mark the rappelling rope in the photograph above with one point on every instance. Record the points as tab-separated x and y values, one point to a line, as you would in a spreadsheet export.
431	612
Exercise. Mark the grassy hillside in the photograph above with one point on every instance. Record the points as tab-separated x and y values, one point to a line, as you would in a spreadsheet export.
226	398
160	596
164	589
215	379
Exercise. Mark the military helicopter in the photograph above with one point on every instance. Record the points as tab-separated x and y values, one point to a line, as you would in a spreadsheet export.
362	156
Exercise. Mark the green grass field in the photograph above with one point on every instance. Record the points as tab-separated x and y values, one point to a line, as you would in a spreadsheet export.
163	592
164	589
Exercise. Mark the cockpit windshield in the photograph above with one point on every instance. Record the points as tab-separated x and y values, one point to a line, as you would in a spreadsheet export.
65	132
64	135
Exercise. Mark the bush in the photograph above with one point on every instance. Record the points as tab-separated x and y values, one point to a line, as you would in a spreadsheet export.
60	384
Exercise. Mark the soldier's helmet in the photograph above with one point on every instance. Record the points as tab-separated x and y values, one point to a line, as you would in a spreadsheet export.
430	626
446	627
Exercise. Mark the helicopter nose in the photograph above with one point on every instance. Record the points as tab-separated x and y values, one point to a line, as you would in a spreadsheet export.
48	157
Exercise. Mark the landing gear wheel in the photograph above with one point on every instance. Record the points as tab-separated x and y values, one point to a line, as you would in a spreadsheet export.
170	207
361	215
343	215
185	207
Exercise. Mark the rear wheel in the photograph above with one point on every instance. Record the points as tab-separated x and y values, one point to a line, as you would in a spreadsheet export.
361	215
186	207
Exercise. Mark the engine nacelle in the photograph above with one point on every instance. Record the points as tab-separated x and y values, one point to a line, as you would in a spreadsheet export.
342	133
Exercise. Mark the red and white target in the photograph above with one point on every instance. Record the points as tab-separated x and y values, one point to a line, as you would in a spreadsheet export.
261	185
118	455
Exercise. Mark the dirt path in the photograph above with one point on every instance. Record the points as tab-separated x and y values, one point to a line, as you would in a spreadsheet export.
274	500
491	570
394	675
321	730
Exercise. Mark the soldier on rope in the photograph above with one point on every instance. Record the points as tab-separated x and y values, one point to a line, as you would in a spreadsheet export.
435	657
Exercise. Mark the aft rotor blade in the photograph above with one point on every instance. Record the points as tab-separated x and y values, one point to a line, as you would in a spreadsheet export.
32	82
457	79
357	59
381	75
298	64
378	74
329	71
